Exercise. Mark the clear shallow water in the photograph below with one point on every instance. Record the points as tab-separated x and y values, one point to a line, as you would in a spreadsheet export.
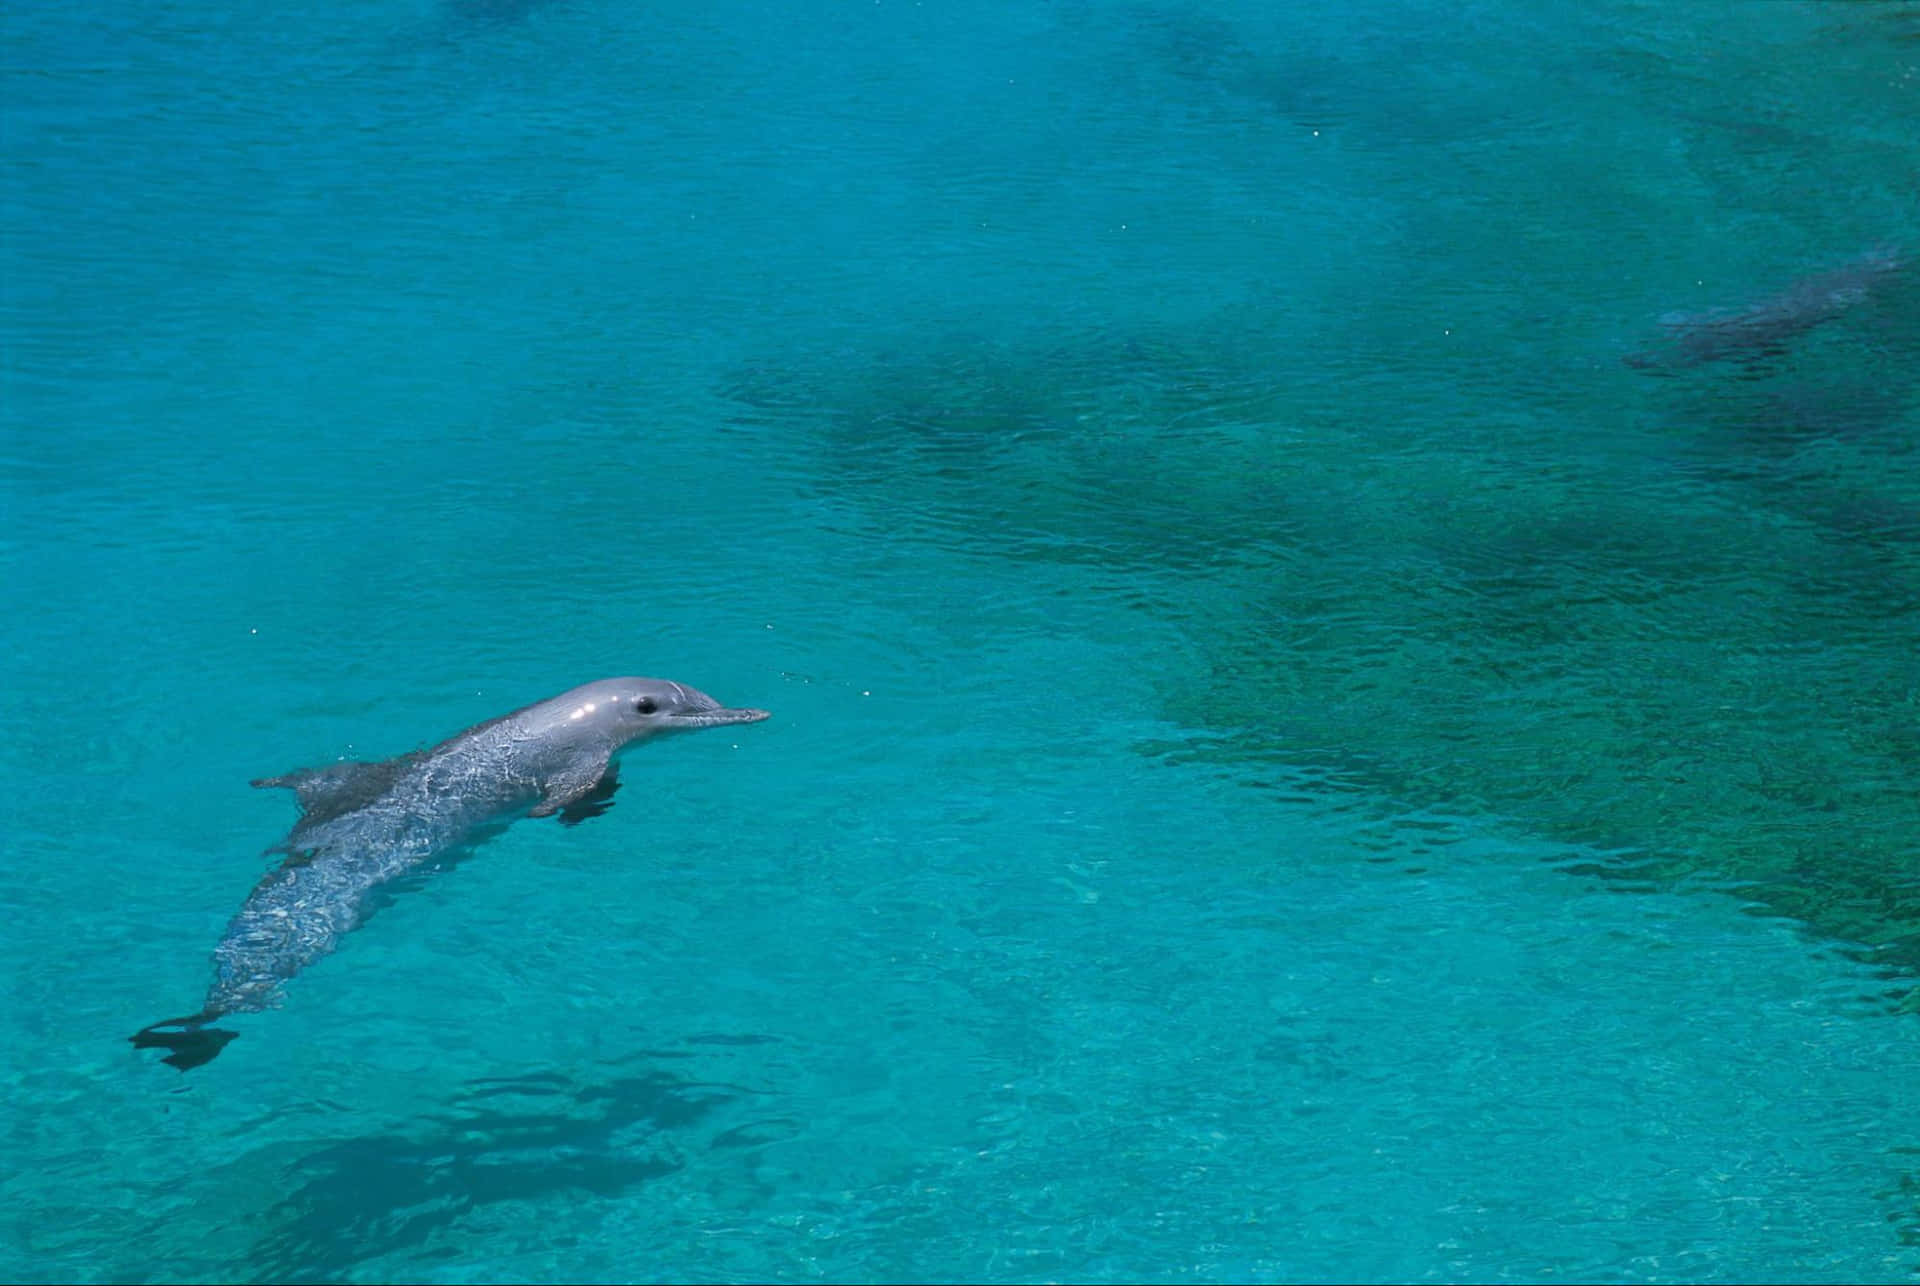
1290	760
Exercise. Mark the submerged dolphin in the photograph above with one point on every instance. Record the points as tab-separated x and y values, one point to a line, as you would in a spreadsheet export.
1698	338
362	824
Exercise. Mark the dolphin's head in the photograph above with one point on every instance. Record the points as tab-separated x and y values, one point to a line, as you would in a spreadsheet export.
630	709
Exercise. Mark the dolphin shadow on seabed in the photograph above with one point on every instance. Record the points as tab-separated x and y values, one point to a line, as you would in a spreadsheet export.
1763	329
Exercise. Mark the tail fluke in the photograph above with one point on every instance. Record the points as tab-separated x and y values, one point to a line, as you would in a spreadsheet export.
192	1044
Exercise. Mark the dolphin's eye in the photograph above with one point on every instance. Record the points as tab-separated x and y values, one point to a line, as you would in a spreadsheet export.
646	705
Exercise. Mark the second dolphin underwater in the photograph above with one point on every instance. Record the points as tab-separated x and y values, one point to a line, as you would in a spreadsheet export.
362	824
1694	339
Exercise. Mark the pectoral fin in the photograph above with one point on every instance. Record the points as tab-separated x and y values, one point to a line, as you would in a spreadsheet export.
578	796
596	801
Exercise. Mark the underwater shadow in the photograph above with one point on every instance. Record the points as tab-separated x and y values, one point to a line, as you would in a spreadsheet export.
519	1139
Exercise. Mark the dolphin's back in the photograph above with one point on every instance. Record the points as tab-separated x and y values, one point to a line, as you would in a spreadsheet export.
362	825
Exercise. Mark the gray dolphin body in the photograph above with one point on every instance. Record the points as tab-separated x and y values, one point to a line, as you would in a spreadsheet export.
362	824
1695	339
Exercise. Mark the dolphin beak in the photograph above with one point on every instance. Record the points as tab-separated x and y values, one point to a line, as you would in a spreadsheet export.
716	717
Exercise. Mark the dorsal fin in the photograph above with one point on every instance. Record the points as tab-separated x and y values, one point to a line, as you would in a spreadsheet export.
339	788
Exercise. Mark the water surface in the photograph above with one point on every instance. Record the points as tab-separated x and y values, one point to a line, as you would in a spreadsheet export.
1291	759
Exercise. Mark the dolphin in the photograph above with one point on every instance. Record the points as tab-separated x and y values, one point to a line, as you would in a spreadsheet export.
1765	327
363	824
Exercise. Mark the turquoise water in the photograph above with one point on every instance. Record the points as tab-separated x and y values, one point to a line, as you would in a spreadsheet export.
1291	759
